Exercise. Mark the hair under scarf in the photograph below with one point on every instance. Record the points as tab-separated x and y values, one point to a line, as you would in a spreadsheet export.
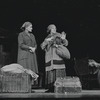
26	24
50	27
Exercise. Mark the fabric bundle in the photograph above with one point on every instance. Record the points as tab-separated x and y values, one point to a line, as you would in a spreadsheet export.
63	52
16	68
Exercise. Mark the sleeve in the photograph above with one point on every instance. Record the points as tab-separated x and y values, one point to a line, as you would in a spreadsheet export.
35	42
44	44
65	42
21	43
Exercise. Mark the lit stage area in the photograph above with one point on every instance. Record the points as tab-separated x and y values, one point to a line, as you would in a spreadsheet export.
89	94
90	86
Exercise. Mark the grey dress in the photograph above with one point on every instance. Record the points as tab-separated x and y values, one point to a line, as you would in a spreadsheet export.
25	57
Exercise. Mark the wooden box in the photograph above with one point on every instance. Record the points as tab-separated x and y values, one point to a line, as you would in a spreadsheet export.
67	85
11	82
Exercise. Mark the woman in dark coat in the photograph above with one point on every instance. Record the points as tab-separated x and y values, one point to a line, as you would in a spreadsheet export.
26	48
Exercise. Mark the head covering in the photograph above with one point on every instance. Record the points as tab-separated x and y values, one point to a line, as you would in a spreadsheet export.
50	27
26	24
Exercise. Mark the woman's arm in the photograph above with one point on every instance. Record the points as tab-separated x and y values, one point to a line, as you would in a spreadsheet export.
65	42
32	49
44	44
21	43
35	42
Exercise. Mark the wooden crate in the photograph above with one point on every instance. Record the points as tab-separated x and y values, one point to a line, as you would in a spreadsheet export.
67	85
11	82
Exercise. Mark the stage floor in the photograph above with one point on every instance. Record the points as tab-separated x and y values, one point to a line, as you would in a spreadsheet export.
84	94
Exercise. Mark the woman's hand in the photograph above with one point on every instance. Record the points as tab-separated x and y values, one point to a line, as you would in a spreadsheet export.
56	45
32	49
63	35
33	74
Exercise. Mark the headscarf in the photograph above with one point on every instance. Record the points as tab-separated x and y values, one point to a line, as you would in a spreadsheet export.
50	27
26	24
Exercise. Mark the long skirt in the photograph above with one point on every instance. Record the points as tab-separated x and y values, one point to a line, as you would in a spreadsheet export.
52	75
30	62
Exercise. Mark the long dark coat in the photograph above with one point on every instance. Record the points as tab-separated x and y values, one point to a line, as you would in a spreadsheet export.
25	57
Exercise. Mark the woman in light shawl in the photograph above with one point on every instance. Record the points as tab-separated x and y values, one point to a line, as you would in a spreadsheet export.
54	64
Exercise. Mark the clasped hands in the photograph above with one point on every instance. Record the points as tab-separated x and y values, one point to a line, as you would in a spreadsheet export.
32	49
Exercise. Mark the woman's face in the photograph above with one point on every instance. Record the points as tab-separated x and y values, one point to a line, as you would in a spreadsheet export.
29	28
53	30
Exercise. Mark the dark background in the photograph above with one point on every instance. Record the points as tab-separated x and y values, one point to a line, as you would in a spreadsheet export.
80	19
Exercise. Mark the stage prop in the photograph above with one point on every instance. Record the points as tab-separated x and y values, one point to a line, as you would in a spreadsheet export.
67	85
96	68
12	82
14	78
88	72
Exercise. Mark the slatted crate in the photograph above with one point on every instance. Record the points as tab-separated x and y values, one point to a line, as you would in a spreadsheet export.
67	85
11	82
